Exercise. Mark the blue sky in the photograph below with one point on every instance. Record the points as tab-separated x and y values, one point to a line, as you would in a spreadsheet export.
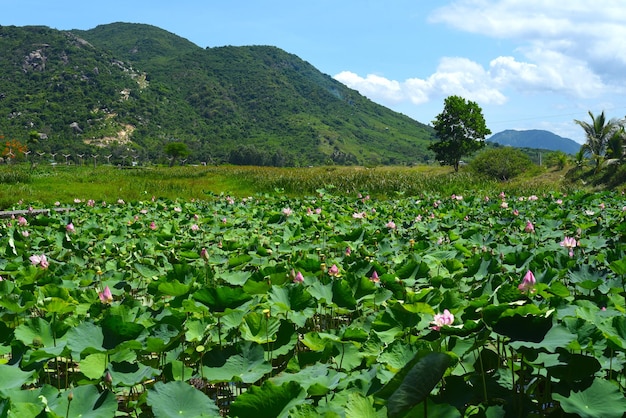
530	64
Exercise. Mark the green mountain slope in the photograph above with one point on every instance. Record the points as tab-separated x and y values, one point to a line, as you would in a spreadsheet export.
535	138
134	87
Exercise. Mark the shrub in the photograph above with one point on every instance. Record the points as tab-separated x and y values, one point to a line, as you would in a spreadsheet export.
501	163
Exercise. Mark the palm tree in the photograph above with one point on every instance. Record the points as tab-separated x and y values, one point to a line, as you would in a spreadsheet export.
616	146
598	133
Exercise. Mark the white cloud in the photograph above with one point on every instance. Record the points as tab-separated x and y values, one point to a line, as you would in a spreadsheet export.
576	49
373	86
454	76
591	32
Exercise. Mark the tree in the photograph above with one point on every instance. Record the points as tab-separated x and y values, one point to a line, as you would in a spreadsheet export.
176	150
460	130
501	163
598	134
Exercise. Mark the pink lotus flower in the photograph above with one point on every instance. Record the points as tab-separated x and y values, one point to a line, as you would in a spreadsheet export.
106	296
195	228
287	211
374	277
502	195
39	260
528	283
70	228
391	225
25	234
358	215
348	251
21	221
298	278
204	254
153	225
504	205
569	243
333	270
529	227
440	320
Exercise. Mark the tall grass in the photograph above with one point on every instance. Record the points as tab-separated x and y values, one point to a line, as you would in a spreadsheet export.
47	185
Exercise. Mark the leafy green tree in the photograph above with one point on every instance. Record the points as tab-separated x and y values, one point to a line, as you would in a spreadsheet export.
598	134
556	159
176	150
460	130
501	163
616	146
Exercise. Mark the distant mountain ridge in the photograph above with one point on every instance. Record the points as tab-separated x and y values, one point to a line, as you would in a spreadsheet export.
128	88
535	138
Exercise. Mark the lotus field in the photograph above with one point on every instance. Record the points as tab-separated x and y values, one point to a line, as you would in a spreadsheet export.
323	306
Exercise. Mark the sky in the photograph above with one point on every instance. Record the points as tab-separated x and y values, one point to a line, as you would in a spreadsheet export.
529	64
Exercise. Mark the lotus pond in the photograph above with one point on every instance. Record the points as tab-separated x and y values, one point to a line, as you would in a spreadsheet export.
324	306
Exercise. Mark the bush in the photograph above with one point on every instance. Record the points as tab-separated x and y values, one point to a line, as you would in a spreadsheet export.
501	163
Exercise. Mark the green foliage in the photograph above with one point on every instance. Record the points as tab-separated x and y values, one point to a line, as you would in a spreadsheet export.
120	82
176	150
556	159
460	130
501	163
598	133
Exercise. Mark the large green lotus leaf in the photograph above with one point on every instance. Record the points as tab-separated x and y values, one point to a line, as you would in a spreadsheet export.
173	288
291	298
349	356
18	302
12	377
358	406
35	332
268	400
343	295
93	365
146	271
235	278
318	379
575	367
600	400
256	287
29	403
176	370
116	331
619	267
259	328
129	374
160	337
318	341
355	333
247	367
397	355
414	382
87	402
179	399
557	337
322	292
86	336
220	298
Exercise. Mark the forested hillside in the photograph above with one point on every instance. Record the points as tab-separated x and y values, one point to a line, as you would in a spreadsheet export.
133	88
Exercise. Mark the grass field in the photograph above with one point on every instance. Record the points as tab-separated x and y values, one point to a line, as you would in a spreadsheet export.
63	184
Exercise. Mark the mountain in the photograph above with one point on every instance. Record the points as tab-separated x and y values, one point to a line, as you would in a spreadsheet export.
535	138
126	88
